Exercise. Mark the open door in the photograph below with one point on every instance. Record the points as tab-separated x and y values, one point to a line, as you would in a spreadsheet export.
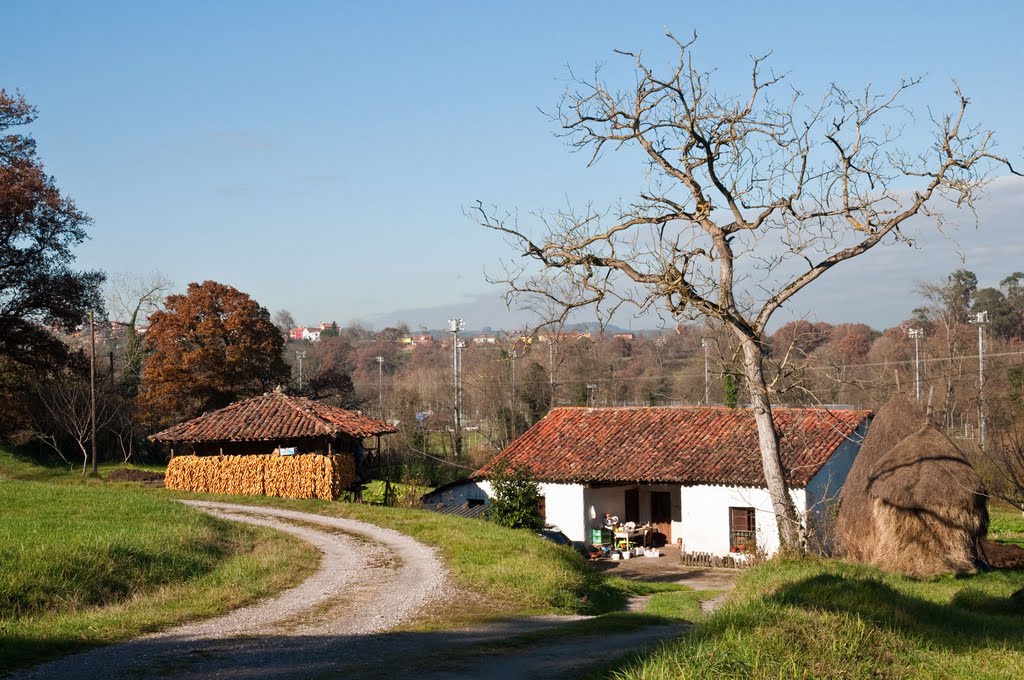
661	516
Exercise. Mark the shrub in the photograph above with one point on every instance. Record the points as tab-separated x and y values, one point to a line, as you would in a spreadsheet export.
516	501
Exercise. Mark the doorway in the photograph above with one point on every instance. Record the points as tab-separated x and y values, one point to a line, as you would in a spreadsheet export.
661	515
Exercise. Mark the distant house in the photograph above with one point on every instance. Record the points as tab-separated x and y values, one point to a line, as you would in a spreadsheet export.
563	336
408	343
693	473
310	333
628	337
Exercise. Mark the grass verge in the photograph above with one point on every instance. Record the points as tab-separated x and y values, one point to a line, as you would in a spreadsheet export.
830	619
85	564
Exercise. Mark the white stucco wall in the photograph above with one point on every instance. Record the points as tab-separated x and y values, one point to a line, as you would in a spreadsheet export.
705	516
610	500
563	504
823	490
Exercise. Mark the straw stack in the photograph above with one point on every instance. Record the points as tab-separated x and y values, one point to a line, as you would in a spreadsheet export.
303	476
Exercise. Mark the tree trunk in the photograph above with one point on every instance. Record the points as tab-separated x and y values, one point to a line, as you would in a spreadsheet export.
768	441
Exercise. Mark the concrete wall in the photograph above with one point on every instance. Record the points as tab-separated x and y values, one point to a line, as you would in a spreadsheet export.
705	516
824	488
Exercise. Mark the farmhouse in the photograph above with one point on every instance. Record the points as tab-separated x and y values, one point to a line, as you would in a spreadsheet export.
274	421
692	473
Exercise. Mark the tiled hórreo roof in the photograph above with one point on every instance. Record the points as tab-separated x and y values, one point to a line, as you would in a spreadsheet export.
273	416
689	445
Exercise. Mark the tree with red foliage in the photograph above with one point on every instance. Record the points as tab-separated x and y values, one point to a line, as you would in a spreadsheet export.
206	349
40	292
39	228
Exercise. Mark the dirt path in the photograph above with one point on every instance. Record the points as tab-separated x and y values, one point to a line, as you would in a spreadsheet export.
362	587
571	657
337	622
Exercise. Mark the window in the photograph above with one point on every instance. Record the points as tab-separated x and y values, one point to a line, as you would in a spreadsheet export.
742	530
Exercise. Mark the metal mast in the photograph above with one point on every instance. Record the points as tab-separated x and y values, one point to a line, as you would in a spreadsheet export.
707	373
981	320
300	356
916	334
380	384
456	325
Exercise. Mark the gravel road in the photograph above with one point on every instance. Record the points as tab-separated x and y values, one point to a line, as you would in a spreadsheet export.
338	622
370	579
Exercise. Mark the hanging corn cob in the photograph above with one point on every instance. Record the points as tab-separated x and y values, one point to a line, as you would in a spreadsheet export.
302	476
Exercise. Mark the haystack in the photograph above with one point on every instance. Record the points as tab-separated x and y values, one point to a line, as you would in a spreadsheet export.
893	423
912	503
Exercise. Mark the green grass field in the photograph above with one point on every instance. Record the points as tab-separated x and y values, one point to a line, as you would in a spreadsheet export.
1006	524
830	619
84	563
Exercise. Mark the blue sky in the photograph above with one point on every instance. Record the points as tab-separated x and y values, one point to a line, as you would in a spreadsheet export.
318	155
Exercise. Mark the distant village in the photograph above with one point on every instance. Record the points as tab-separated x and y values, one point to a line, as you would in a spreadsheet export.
427	339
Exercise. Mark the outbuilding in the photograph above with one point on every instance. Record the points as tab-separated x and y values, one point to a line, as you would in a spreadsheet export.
274	421
692	473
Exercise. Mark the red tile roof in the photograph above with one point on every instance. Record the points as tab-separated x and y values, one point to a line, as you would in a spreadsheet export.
273	416
689	445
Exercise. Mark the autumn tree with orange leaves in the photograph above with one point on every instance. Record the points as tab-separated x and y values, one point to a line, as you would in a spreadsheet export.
206	349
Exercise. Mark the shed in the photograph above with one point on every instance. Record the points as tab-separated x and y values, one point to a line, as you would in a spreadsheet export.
274	421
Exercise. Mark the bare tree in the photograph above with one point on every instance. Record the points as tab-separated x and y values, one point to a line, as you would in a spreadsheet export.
131	298
748	200
284	320
1005	469
64	414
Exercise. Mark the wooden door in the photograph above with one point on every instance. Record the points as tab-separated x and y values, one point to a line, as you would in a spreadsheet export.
632	504
661	513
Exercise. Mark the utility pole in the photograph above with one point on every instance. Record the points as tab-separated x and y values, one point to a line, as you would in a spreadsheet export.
380	384
707	373
456	325
92	384
981	320
916	334
113	346
551	372
300	356
512	356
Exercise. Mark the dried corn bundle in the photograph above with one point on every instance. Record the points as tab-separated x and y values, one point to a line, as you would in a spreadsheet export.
303	476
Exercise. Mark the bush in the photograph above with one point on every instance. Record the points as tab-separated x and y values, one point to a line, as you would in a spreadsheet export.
516	501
